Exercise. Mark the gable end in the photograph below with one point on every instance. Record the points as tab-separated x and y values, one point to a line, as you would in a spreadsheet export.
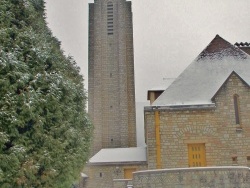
233	73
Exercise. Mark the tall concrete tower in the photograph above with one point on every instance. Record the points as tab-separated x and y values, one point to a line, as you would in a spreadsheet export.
111	74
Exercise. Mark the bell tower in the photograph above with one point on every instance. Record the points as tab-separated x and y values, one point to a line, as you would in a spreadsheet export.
111	90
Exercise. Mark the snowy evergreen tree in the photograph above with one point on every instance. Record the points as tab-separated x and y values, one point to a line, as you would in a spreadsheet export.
44	129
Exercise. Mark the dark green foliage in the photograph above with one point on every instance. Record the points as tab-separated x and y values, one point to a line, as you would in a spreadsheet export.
44	130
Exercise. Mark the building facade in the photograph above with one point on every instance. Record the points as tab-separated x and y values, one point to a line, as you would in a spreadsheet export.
203	135
202	118
111	87
114	164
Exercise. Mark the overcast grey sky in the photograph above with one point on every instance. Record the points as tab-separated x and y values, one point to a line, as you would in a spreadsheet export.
168	34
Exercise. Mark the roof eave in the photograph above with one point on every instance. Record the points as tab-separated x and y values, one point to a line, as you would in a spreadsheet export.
117	163
179	107
153	90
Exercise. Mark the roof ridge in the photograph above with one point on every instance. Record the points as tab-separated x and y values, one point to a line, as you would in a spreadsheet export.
242	44
200	80
219	47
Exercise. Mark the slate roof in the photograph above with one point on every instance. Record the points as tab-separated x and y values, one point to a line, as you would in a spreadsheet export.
242	44
119	155
200	81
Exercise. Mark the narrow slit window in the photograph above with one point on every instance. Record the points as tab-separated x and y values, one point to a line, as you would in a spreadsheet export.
110	15
248	161
236	109
234	158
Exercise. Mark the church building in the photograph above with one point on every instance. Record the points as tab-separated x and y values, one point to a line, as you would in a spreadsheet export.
201	119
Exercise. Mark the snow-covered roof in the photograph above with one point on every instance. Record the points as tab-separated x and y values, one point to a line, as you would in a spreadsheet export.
199	82
158	88
119	155
84	175
163	85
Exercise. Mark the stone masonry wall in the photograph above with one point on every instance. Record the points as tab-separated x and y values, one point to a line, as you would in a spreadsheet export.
216	128
103	176
213	177
122	183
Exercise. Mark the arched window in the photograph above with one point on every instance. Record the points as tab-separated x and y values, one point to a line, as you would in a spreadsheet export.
237	109
110	18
